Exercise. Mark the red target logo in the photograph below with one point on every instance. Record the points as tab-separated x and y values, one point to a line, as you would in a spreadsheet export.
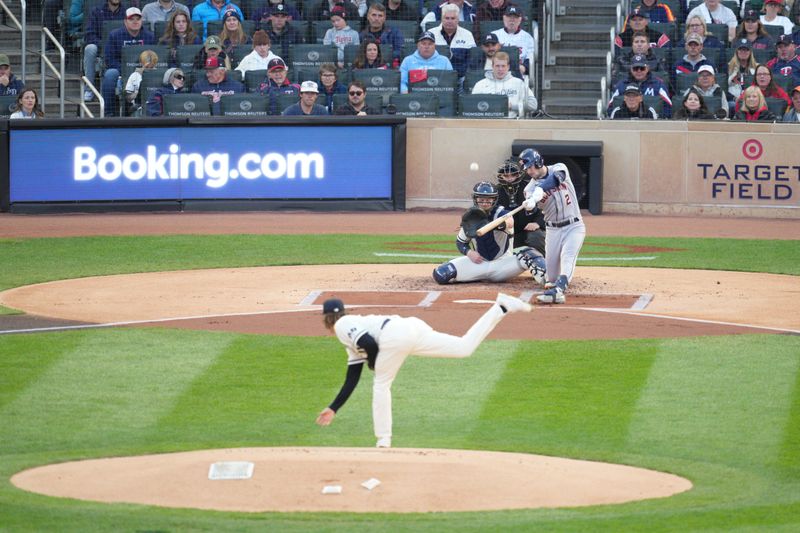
752	149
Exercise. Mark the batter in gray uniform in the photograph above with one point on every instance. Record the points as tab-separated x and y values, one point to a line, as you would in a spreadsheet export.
552	191
384	342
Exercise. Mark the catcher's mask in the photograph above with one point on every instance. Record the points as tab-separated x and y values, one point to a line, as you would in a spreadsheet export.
509	172
484	189
531	158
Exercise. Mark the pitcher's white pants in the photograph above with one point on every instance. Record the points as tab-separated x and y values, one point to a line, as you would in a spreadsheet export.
411	336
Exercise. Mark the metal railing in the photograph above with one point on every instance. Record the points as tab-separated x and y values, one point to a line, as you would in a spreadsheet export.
85	111
59	72
23	28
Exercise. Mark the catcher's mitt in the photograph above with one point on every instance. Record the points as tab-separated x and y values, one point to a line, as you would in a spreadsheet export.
472	220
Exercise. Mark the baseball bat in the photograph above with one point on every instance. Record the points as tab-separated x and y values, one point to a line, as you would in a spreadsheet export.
483	230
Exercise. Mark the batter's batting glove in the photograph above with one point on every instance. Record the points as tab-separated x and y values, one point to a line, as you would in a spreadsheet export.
536	196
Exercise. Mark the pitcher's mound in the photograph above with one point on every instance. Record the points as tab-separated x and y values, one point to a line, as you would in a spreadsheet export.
411	480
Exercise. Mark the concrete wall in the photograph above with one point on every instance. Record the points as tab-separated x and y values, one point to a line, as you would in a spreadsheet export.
716	168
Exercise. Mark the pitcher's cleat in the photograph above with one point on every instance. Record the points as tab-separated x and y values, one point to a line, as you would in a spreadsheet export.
513	305
384	442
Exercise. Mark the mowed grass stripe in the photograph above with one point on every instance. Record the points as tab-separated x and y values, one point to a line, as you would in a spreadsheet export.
107	390
25	357
723	400
789	460
567	398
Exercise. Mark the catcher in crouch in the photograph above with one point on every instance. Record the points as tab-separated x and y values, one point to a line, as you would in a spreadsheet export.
490	257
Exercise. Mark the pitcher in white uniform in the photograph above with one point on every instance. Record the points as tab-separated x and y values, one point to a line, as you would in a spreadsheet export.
385	341
551	190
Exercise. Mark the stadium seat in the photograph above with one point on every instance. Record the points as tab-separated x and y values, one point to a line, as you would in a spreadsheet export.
130	58
471	78
186	105
285	100
483	106
311	55
444	84
381	82
186	55
777	106
245	105
7	105
416	105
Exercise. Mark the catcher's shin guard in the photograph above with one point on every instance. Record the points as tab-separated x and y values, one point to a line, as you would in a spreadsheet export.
445	273
533	262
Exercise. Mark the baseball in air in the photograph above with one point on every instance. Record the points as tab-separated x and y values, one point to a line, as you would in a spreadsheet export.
473	167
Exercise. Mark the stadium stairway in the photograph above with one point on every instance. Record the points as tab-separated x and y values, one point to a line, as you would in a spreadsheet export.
10	45
577	62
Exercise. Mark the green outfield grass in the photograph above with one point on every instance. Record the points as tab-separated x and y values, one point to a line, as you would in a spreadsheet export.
721	411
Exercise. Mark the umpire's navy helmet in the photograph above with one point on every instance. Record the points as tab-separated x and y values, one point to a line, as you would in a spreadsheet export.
531	158
332	305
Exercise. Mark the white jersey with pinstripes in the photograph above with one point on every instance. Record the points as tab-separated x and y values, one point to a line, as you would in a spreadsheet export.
559	204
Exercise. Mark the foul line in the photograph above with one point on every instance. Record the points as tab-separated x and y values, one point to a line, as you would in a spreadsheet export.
450	256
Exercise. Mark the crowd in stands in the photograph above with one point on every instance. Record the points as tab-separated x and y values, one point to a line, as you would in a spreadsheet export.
682	59
708	59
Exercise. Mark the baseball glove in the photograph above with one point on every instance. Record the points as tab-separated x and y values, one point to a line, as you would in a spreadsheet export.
472	220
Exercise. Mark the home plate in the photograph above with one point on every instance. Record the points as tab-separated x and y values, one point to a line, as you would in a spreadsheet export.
473	301
231	470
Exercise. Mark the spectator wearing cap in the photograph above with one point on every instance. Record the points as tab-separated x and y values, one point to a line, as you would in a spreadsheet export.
648	84
356	101
753	30
110	10
161	11
329	84
793	113
261	55
130	34
490	45
637	21
277	83
216	84
774	15
633	105
741	69
708	87
262	14
212	47
640	47
378	31
322	11
692	60
787	62
211	10
512	34
174	82
693	107
425	58
521	100
340	34
459	40
282	33
9	84
309	92
713	12
697	25
233	37
656	11
754	107
467	13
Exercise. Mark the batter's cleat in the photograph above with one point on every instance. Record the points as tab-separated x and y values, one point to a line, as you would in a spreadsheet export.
513	305
549	285
554	295
384	442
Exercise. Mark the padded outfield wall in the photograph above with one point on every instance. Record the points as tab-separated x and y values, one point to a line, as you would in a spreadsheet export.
717	168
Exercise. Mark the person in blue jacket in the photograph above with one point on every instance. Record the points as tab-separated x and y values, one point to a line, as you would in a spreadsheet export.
211	10
130	34
425	58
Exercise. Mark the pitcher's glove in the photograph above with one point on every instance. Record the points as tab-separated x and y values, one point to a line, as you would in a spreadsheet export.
472	220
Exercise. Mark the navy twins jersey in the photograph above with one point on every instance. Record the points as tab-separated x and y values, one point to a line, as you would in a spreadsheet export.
491	246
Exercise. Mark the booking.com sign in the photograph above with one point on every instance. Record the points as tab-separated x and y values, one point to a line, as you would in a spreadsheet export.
260	162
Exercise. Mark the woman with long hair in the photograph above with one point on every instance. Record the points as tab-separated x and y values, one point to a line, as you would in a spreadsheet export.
697	25
28	105
765	82
753	30
741	67
754	107
369	56
179	32
693	107
233	35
